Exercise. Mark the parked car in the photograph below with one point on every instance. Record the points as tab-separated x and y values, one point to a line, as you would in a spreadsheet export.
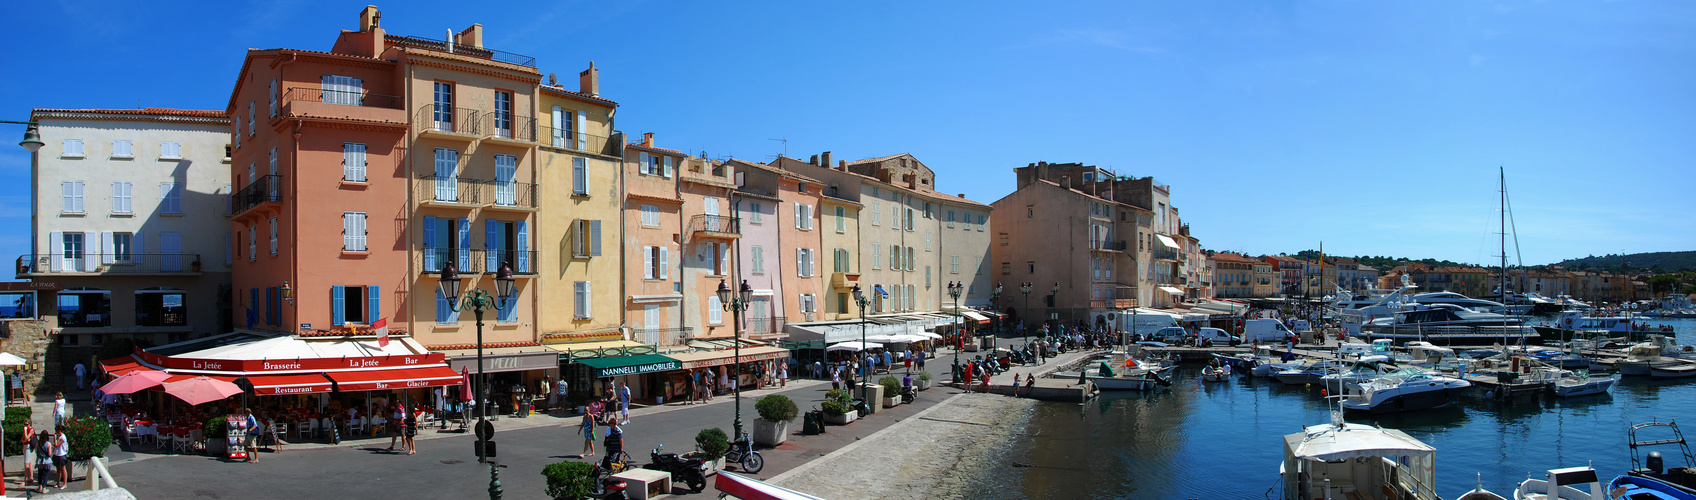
1216	336
1171	334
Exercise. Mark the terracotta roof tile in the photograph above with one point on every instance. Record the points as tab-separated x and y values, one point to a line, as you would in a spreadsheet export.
486	345
658	150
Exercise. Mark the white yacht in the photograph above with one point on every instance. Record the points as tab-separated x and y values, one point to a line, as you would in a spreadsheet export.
1343	460
1407	389
1433	298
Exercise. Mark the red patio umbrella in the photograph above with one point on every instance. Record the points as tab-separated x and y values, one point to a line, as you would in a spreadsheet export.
201	389
465	385
132	382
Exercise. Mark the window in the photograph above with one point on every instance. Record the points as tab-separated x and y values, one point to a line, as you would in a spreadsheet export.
506	242
911	296
758	255
250	128
804	260
353	232
981	219
506	180
170	150
927	240
650	216
587	241
361	305
580	176
954	264
715	311
877	213
121	197
503	114
446	240
894	217
877	256
928	210
447	175
120	248
1004	239
809	303
909	219
561	128
353	162
719	253
580	300
442	110
73	148
951	219
803	216
123	149
271	92
910	259
71	251
160	307
171	198
84	307
894	257
841	261
754	210
1030	211
71	202
927	276
273	236
252	242
841	219
655	264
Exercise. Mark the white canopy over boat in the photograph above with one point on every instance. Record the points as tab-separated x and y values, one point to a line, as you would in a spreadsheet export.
1329	450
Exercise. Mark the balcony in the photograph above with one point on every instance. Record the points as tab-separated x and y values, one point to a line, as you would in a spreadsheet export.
716	226
1165	254
659	337
844	280
461	49
523	261
36	265
448	192
308	103
513	196
442	122
508	129
1107	246
568	139
264	192
465	260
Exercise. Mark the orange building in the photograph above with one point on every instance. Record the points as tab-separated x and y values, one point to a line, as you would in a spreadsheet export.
652	229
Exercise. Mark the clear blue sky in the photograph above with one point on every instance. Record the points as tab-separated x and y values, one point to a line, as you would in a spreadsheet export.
1376	127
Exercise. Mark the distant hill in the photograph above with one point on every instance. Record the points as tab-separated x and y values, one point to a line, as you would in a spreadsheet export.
1659	262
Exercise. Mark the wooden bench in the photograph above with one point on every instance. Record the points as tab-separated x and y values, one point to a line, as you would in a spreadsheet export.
642	484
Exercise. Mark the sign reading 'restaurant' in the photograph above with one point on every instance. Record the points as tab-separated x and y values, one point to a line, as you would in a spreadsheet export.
659	366
289	365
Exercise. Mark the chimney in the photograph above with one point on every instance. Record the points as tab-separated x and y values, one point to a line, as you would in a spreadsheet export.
826	162
590	81
370	19
842	165
648	139
472	36
815	161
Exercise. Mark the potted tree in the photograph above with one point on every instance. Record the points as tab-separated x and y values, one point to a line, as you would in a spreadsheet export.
922	382
836	408
891	391
711	444
569	480
215	434
89	438
776	412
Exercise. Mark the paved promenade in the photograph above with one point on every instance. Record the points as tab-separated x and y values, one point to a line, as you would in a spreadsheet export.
445	466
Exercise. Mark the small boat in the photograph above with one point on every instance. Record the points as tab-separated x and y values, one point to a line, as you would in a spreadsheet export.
1306	373
1133	375
1216	374
1479	493
1408	389
1648	473
1686	370
1580	383
1357	461
1643	357
1642	488
1571	483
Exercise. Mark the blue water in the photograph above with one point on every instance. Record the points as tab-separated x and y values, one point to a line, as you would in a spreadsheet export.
1225	440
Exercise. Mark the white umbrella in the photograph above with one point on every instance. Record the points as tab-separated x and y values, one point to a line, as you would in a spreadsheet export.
854	346
903	338
928	335
9	359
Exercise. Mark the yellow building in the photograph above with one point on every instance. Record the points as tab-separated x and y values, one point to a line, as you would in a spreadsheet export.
839	235
581	197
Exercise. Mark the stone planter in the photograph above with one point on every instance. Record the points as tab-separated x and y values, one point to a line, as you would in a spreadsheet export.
874	393
770	433
843	419
921	384
891	402
217	447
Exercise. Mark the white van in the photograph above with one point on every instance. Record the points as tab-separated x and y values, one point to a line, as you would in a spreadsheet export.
1144	322
1265	330
1217	336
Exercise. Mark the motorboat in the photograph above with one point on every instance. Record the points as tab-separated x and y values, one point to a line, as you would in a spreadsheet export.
1581	383
1344	460
1638	488
1434	298
1360	370
1132	374
1648	472
1640	358
1307	372
1423	353
1682	370
1573	324
1407	389
1571	483
1216	373
1568	303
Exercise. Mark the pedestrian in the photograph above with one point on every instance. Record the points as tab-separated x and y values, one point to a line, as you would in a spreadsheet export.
587	428
782	375
547	390
44	460
921	360
29	451
1030	384
624	401
907	360
411	426
835	379
58	409
615	439
62	456
81	371
397	417
252	441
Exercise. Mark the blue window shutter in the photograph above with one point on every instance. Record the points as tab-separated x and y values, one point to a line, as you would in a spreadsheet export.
338	308
432	262
270	305
509	310
464	244
442	307
374	307
523	245
491	245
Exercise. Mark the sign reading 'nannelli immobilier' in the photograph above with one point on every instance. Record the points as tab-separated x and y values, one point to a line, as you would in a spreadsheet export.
659	366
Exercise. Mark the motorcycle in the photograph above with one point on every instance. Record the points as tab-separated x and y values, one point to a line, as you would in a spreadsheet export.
605	486
907	395
742	452
689	471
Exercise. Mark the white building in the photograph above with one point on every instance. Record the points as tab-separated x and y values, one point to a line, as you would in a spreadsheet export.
128	215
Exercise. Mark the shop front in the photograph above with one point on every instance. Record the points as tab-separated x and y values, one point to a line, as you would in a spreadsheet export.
757	364
639	372
514	374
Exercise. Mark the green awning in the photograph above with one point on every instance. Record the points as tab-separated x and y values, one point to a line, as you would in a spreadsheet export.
630	365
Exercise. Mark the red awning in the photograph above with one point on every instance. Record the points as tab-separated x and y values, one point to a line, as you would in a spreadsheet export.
119	366
273	385
406	378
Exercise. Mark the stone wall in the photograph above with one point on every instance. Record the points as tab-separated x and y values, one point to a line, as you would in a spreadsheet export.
33	340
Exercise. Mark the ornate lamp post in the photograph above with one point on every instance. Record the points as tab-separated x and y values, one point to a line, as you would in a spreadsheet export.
1054	296
479	301
994	300
860	300
954	289
736	304
1026	289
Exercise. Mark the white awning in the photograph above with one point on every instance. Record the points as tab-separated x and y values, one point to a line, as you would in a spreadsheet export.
976	316
1167	241
1171	290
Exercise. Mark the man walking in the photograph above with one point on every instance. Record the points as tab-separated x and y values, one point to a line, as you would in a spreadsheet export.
81	372
624	402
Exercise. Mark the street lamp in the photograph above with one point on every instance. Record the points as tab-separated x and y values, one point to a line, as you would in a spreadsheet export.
736	304
860	300
1054	298
32	136
1026	289
994	301
479	301
954	289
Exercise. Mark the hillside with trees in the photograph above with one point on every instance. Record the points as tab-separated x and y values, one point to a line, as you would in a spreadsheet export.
1652	262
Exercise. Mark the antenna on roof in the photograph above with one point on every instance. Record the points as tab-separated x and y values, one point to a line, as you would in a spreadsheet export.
785	142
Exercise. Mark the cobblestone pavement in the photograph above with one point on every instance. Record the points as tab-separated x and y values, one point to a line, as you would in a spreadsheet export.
933	455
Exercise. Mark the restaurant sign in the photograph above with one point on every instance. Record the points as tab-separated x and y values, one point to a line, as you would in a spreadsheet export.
288	365
508	362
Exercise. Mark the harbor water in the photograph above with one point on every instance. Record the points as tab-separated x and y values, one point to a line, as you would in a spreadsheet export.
1225	439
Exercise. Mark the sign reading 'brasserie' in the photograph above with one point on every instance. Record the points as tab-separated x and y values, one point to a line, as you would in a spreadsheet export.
661	366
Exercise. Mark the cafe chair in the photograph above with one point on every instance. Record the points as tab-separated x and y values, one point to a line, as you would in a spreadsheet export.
355	426
129	433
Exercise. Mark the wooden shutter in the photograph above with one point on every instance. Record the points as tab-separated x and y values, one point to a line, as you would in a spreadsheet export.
580	175
581	299
665	264
137	253
648	271
523	237
645	163
558	135
715	312
582	128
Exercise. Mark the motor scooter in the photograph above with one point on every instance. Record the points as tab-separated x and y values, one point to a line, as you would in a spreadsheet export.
605	486
689	471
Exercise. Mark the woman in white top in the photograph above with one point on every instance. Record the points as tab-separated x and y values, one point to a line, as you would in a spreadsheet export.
62	457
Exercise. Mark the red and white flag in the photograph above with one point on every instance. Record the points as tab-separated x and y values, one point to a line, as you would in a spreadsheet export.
382	328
